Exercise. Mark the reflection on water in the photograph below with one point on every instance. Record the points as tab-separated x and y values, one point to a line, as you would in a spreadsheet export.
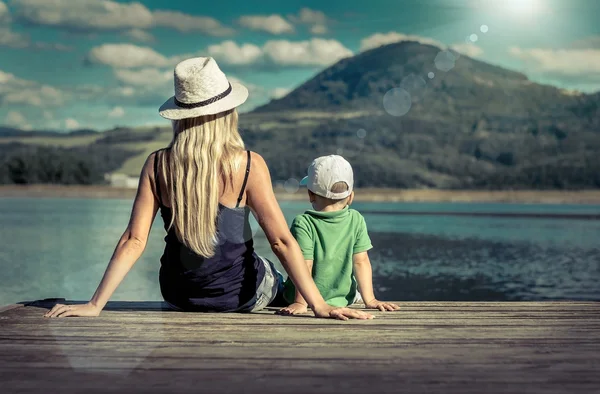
60	248
426	267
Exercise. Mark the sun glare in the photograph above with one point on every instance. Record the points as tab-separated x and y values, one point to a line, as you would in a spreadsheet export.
522	7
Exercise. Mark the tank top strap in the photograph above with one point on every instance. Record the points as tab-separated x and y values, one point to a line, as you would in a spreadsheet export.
157	179
245	180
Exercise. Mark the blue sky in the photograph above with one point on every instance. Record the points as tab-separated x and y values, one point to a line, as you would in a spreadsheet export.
68	64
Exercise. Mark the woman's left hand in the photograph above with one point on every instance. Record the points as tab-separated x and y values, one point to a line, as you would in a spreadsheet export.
61	310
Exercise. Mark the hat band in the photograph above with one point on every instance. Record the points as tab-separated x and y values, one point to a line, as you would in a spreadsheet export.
205	102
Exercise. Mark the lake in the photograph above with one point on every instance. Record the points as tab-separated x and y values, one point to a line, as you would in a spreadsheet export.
60	248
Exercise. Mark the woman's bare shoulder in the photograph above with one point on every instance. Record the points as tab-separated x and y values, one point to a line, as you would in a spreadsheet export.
151	160
258	162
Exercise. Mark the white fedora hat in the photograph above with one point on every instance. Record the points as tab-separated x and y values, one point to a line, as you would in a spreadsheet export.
201	88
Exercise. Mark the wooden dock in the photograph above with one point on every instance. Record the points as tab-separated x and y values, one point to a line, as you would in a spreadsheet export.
427	347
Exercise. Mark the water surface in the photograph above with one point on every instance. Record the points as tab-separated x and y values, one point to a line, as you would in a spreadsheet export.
60	248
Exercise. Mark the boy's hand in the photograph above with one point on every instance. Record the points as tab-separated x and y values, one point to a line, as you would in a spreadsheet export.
293	309
381	305
341	313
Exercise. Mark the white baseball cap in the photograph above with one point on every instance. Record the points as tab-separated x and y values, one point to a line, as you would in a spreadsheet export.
326	171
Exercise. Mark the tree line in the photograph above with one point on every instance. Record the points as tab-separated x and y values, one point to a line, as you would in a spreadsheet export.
33	164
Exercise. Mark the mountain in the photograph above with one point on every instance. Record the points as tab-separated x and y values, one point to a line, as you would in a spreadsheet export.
473	125
461	123
471	90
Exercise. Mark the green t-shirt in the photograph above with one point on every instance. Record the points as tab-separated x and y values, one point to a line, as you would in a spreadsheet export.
330	239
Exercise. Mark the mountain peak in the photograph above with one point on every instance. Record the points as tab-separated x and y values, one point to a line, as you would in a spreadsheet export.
361	81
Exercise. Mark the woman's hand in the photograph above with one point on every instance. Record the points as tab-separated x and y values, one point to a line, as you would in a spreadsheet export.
61	310
330	312
293	309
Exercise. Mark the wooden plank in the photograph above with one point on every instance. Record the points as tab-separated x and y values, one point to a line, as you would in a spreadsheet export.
10	307
451	347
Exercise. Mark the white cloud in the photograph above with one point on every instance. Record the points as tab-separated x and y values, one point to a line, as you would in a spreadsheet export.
10	39
71	124
84	15
231	53
316	52
310	17
258	94
252	88
116	112
126	91
16	91
279	92
380	39
280	53
4	14
318	29
139	35
35	95
144	77
468	49
317	20
574	65
592	42
274	24
103	15
128	56
16	119
189	23
52	46
274	53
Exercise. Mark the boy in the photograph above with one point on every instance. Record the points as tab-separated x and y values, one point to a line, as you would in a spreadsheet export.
334	240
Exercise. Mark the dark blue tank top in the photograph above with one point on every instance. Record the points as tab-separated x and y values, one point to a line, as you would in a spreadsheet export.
221	283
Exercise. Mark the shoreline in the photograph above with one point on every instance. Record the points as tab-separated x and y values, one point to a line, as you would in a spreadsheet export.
584	197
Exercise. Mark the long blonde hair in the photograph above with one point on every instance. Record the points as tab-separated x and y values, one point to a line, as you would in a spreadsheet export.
200	159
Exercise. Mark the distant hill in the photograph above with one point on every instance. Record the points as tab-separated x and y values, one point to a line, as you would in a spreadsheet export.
14	132
473	126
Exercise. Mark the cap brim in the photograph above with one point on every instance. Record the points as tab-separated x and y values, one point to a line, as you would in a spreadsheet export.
237	97
304	181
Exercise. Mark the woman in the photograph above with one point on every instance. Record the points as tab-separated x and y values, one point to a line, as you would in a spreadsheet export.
205	184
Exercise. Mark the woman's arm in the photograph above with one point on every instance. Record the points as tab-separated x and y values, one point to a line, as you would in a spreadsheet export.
261	199
299	305
129	249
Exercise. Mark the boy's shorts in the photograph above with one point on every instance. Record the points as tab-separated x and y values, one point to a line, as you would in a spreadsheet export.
270	289
358	298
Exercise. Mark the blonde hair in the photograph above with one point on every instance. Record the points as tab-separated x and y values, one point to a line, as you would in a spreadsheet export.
201	158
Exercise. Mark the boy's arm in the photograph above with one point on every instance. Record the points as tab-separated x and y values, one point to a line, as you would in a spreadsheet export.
363	271
364	277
